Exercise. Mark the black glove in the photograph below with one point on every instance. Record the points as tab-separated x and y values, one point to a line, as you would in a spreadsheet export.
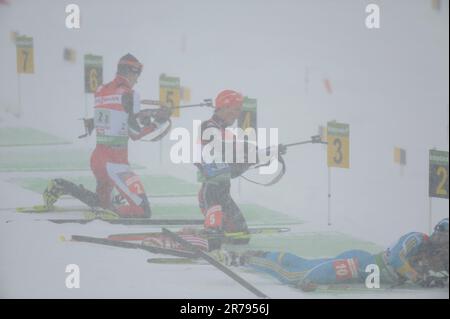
306	285
162	115
144	117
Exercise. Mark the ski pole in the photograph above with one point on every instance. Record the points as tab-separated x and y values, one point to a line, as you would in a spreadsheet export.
188	246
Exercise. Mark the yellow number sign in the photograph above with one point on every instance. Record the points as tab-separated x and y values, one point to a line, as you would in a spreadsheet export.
169	93
338	150
246	124
248	117
438	174
93	72
25	54
400	156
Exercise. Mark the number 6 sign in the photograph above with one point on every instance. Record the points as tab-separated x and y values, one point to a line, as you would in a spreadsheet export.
93	72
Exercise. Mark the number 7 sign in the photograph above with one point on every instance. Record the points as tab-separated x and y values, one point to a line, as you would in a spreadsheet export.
25	54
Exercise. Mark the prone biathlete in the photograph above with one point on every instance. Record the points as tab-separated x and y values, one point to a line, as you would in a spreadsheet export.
414	258
117	119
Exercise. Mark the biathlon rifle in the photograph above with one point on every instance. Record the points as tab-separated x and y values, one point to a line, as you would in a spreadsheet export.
89	122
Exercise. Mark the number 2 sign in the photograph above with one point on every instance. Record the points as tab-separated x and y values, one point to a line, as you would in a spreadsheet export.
438	174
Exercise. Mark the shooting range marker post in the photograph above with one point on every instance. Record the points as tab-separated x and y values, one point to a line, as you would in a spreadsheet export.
338	152
248	119
169	95
437	181
25	65
93	76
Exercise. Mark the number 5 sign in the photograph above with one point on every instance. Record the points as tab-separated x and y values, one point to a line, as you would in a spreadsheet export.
338	145
25	54
169	93
93	72
438	174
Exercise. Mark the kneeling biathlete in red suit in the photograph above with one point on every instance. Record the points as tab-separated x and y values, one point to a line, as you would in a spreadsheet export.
117	118
220	211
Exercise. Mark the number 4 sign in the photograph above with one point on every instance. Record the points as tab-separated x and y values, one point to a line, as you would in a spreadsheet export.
438	174
248	116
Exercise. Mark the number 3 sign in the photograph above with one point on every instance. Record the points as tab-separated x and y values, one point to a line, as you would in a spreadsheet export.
338	145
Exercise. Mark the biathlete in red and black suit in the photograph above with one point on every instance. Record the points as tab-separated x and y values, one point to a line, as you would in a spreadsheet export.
218	207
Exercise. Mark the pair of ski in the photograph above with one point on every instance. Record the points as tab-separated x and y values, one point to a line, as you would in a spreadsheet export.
160	243
207	241
190	251
225	235
102	215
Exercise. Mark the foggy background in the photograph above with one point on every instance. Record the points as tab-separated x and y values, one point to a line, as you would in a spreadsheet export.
389	84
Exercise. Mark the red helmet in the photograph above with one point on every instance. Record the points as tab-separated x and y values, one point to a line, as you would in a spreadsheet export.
229	98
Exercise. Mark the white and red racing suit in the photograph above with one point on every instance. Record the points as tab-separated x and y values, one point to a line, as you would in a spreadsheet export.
117	108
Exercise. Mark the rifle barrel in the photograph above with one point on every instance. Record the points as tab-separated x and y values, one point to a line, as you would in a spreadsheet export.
298	143
158	103
193	105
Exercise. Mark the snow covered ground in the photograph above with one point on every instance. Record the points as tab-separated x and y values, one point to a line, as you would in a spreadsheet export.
34	259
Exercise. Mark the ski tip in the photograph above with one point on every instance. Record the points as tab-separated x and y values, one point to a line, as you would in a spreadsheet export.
34	209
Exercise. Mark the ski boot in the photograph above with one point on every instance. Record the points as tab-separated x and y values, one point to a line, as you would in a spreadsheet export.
235	258
52	193
245	256
226	257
